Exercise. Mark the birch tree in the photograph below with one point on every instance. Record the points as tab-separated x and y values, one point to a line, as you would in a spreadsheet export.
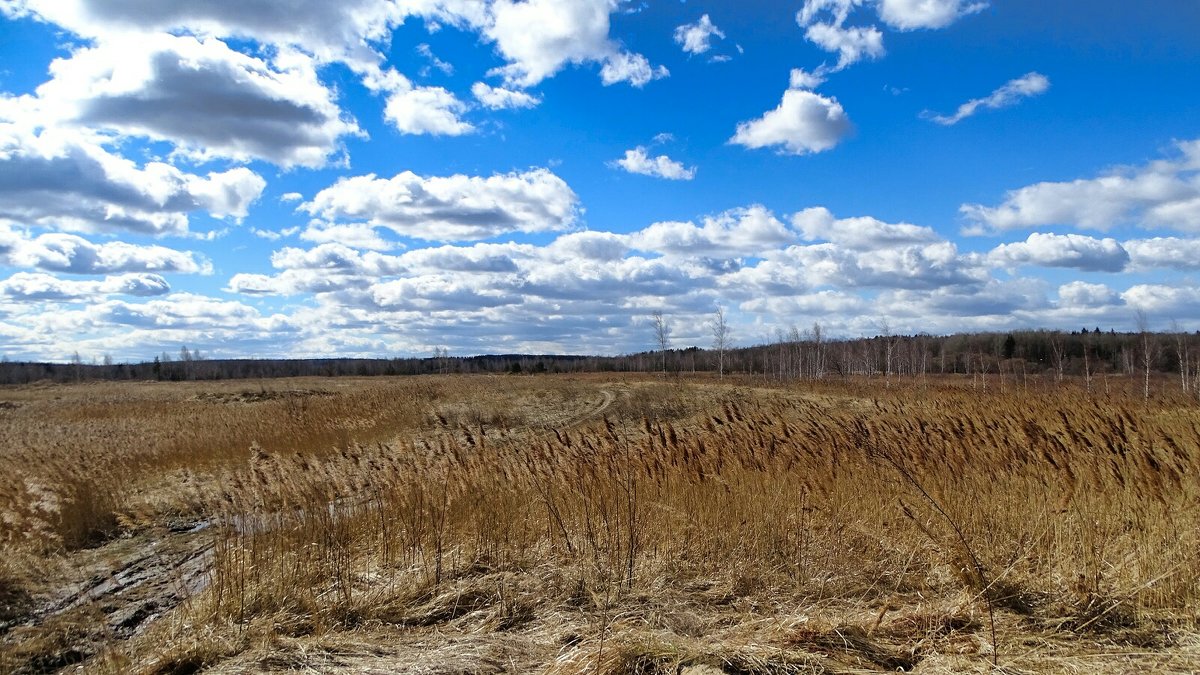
721	339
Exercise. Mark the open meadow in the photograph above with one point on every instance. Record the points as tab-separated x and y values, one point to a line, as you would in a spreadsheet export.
599	524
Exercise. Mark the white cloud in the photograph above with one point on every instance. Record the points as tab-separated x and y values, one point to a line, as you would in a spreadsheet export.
182	310
594	246
585	291
280	112
426	110
61	180
539	37
1073	251
802	79
1084	295
55	252
862	233
662	166
1161	301
203	97
358	235
696	38
821	305
737	232
824	24
330	30
1011	93
1164	252
1163	193
915	14
926	266
450	208
186	97
477	258
804	122
439	293
993	305
632	68
500	98
38	287
850	44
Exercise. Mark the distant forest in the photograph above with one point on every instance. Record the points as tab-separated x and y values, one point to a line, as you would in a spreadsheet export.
795	355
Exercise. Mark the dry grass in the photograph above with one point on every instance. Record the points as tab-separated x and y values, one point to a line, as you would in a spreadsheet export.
510	524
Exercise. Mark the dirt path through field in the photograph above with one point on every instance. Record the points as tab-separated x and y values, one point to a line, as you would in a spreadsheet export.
606	401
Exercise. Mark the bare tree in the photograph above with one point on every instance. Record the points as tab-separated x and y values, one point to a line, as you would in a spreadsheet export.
442	356
1148	349
1058	348
662	334
1181	351
1087	361
818	351
721	339
889	345
77	365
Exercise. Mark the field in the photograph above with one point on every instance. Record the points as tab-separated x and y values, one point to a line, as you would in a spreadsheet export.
599	524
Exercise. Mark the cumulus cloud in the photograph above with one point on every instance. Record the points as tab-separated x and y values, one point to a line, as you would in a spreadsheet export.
1073	251
824	24
1164	252
1002	301
585	290
1163	193
439	293
333	31
61	180
584	281
54	252
733	233
805	122
203	97
182	311
1011	93
500	98
927	266
588	245
639	162
30	287
802	79
1161	300
1085	295
861	233
450	208
632	68
917	14
426	110
851	44
539	37
536	38
696	38
358	235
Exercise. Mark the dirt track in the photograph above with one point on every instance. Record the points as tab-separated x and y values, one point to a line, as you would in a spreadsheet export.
113	593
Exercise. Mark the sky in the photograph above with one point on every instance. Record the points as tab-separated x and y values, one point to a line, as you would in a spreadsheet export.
383	178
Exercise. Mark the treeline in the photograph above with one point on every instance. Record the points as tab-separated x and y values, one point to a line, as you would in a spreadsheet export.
795	355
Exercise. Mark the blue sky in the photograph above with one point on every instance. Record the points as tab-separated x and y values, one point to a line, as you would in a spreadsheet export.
386	177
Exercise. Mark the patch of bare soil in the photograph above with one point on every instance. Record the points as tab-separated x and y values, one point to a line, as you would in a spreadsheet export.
100	595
